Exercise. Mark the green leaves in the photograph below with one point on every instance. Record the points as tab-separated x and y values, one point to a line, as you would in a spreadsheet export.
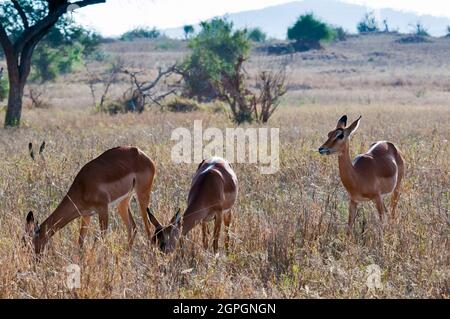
215	51
310	29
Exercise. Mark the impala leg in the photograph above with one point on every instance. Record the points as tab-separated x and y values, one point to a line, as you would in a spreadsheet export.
103	219
125	214
352	210
144	202
85	221
227	222
205	234
217	227
394	202
380	207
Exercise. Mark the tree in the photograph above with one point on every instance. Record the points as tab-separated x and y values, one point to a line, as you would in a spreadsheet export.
64	46
141	33
448	31
19	34
310	31
257	35
245	104
215	50
368	24
188	31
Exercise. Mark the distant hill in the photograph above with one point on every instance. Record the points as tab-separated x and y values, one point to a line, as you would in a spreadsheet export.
275	20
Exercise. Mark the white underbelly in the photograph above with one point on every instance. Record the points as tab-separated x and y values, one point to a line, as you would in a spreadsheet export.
118	200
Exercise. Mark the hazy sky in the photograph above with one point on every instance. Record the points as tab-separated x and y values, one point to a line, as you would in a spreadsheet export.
118	16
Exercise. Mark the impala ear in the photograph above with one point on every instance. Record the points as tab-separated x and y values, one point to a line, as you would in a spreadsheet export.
200	165
354	126
153	219
30	224
30	150
42	148
342	123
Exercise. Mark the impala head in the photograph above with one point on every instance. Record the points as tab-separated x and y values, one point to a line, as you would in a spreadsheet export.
166	237
32	232
338	138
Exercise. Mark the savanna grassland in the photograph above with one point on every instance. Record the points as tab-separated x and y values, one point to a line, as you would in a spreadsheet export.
289	229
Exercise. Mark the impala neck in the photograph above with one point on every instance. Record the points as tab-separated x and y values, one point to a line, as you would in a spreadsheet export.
346	169
191	217
63	214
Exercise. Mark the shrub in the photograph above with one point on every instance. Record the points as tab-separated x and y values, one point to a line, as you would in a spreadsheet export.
368	24
420	30
141	33
182	105
215	51
4	86
310	30
257	35
245	105
448	31
340	34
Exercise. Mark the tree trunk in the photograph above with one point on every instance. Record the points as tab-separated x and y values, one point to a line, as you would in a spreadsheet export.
16	87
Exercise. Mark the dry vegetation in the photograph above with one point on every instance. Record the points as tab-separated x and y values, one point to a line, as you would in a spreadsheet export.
288	234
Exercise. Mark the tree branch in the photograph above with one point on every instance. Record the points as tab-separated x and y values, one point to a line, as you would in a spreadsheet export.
6	42
22	14
38	30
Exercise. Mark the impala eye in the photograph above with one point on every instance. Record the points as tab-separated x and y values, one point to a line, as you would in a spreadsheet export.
340	136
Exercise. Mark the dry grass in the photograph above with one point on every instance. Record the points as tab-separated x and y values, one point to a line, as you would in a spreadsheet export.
288	234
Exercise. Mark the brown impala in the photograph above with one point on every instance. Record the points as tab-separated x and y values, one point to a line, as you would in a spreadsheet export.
111	178
213	193
370	176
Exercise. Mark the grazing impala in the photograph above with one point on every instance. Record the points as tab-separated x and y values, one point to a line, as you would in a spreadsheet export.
370	176
213	193
111	178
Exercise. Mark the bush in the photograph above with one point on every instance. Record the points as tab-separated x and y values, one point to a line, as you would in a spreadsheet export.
310	30
49	62
448	31
215	51
141	33
420	30
4	86
340	34
257	35
368	24
182	105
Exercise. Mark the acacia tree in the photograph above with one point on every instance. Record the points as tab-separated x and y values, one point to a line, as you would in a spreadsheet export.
18	47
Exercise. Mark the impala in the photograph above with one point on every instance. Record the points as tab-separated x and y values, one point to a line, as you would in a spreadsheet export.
112	178
370	176
213	193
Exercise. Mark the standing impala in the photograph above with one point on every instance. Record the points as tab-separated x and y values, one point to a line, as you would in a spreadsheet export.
370	176
213	193
111	178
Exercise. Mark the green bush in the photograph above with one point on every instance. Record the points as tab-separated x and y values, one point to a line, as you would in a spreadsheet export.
49	62
420	30
3	88
368	24
257	35
141	33
215	51
309	29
